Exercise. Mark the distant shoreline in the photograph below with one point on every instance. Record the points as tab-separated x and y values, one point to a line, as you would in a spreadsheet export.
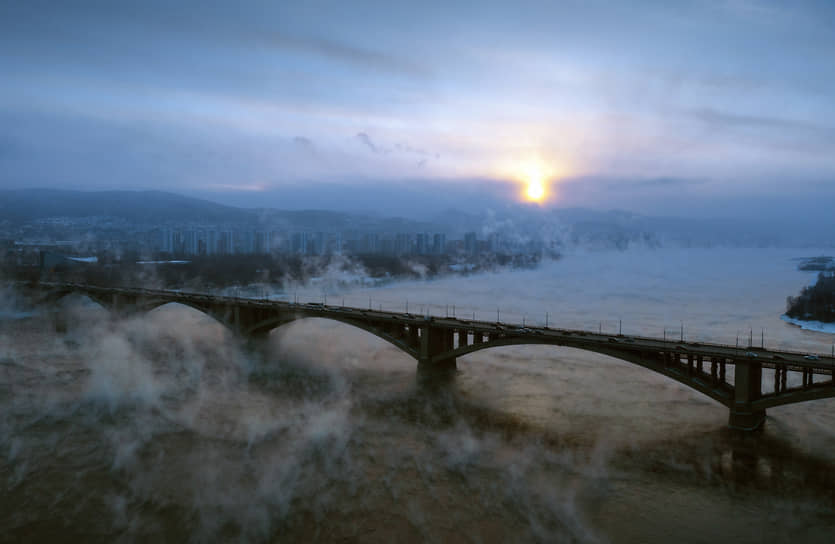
811	325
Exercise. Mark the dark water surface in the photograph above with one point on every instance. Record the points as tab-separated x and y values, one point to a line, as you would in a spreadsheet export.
163	428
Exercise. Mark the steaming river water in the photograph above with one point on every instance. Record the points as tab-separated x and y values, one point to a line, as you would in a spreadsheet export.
163	428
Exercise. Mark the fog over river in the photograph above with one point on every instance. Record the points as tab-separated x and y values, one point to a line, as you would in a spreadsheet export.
163	427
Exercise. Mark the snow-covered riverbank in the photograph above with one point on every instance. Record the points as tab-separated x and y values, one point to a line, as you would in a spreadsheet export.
818	326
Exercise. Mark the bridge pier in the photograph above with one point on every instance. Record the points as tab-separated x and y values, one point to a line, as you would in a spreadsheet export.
742	420
414	335
256	339
433	343
747	388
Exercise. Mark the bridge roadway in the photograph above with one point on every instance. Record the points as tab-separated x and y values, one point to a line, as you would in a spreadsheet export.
730	375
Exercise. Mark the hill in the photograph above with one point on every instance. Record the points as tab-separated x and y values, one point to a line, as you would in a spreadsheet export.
136	206
23	206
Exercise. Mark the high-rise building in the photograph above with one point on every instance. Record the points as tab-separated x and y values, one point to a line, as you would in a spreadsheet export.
177	243
299	243
261	242
387	246
335	243
439	244
402	244
224	243
422	243
316	244
246	242
370	243
201	242
276	242
167	241
190	242
470	243
211	242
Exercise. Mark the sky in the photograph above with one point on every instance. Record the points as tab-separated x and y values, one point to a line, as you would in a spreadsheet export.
658	107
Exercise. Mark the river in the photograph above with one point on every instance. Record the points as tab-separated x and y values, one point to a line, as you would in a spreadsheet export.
162	427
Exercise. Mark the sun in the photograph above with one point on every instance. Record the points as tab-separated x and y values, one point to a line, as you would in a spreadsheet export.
535	180
535	184
535	191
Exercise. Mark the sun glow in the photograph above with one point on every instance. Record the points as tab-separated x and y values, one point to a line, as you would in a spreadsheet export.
535	177
536	183
535	190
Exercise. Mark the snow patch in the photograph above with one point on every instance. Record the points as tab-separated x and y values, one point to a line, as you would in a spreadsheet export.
818	326
84	259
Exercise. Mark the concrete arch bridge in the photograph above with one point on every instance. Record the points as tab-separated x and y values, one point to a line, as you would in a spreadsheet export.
730	375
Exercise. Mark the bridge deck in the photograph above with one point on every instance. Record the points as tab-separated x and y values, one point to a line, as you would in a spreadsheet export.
818	363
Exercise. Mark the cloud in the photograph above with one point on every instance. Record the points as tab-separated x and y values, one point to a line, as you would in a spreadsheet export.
406	148
774	132
366	140
632	185
398	148
725	120
656	182
349	54
304	144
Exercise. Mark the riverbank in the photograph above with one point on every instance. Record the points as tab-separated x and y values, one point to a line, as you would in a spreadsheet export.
817	326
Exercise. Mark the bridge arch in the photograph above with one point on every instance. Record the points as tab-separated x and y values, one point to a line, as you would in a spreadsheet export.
54	297
156	304
137	306
268	325
645	360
